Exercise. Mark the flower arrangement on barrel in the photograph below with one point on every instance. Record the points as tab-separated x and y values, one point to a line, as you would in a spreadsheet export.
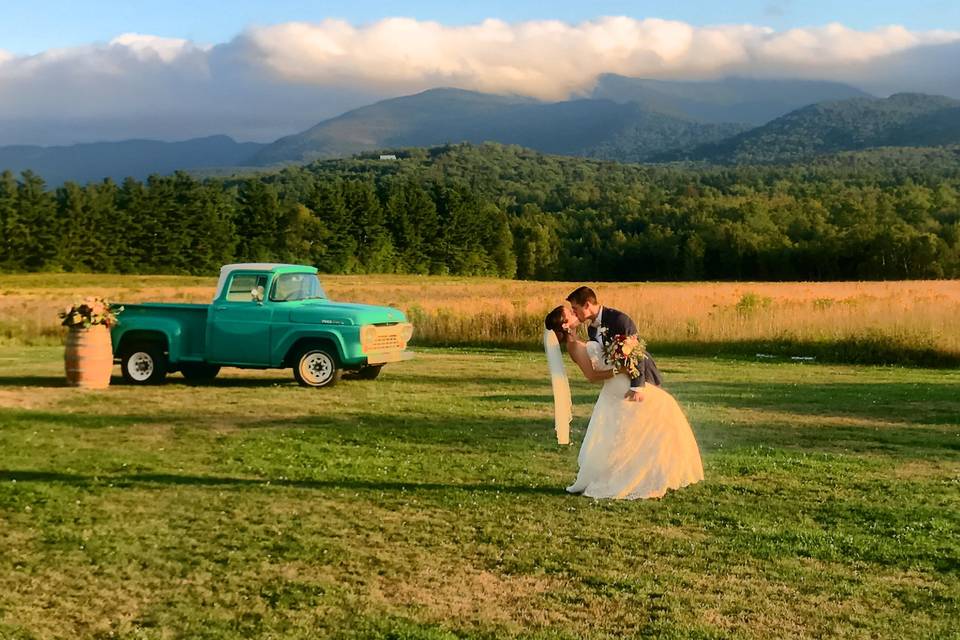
91	311
88	356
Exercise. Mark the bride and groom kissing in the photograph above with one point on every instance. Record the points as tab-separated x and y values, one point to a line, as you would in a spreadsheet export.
638	442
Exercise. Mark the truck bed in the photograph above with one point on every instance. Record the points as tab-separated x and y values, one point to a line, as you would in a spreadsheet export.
191	318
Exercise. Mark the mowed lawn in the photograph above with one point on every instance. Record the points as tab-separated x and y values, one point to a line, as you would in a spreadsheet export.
430	504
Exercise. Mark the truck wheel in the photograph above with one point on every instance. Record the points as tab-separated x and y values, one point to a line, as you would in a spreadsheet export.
317	368
143	364
369	373
199	371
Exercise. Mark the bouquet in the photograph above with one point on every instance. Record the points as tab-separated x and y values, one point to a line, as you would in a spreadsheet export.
91	311
626	353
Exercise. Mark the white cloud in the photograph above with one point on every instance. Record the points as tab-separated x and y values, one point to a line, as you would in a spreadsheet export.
146	46
549	59
277	79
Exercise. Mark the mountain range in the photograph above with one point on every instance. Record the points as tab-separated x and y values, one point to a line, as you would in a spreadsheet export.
905	119
93	162
734	120
586	127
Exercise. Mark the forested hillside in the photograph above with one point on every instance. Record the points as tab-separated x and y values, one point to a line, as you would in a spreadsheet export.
509	211
592	128
905	119
746	100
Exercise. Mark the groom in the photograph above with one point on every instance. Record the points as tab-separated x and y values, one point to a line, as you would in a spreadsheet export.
604	323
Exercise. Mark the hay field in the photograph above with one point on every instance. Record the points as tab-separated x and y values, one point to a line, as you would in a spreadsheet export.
908	321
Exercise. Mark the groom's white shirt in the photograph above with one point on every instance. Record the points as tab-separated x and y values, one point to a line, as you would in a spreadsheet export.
596	324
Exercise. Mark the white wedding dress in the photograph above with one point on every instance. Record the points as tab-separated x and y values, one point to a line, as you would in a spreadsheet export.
635	449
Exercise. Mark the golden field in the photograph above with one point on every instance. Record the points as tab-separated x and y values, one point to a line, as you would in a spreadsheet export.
907	316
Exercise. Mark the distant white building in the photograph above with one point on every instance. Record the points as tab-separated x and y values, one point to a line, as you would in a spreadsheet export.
388	156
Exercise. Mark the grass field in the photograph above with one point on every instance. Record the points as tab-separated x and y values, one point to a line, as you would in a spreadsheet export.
862	322
429	504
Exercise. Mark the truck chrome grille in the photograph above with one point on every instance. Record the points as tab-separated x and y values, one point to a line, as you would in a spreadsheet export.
385	341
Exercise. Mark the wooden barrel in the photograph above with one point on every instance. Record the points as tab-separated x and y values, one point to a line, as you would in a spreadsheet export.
88	358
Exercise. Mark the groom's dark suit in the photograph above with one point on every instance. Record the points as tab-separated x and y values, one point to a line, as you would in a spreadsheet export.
618	323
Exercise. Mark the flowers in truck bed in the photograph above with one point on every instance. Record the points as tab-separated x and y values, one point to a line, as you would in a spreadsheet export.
90	311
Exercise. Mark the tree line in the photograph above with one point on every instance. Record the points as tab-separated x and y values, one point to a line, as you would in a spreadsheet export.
506	211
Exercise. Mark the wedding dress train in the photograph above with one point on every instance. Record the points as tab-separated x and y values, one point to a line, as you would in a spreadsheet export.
635	449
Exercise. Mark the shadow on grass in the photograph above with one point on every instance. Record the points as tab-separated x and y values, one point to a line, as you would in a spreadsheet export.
540	399
884	402
254	381
152	479
33	381
929	436
869	348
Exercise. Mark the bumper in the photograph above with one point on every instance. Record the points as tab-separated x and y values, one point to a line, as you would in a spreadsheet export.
389	356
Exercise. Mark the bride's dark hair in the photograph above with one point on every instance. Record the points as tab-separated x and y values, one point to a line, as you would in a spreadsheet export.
554	322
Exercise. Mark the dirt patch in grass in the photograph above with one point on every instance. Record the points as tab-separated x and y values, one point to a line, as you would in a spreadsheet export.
926	470
76	598
772	416
468	596
28	399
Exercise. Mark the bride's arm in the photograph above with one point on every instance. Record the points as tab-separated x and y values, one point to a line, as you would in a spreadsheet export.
579	355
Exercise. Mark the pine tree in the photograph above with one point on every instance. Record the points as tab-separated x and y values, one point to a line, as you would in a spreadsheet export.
374	248
13	232
79	242
136	225
259	222
38	211
334	251
411	218
212	236
110	228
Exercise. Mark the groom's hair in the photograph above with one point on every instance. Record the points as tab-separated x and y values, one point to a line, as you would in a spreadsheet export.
581	296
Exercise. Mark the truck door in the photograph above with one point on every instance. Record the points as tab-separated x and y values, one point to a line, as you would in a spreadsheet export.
238	329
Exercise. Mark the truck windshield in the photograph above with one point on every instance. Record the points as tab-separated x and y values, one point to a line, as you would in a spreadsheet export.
296	286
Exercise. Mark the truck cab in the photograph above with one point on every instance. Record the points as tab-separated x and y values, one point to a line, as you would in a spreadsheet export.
263	316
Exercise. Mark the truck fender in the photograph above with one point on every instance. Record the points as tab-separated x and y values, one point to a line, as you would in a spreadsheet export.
289	349
169	330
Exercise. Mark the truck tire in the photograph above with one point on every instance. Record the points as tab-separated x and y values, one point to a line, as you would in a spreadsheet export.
199	372
317	367
369	372
143	363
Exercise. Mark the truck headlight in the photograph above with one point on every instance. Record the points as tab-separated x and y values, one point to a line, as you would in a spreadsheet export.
407	332
367	333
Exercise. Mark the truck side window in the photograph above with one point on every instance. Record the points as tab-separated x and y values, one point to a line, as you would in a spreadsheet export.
242	284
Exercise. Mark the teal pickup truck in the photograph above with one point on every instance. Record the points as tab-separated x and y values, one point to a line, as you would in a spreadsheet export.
263	316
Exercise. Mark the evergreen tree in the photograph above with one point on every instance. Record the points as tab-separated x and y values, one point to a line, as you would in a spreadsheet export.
38	211
335	247
133	230
412	221
111	227
14	233
81	244
374	247
259	222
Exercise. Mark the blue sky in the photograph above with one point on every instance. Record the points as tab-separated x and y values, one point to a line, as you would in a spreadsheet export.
291	69
33	26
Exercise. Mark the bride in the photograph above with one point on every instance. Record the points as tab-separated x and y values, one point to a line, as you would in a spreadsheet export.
631	449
